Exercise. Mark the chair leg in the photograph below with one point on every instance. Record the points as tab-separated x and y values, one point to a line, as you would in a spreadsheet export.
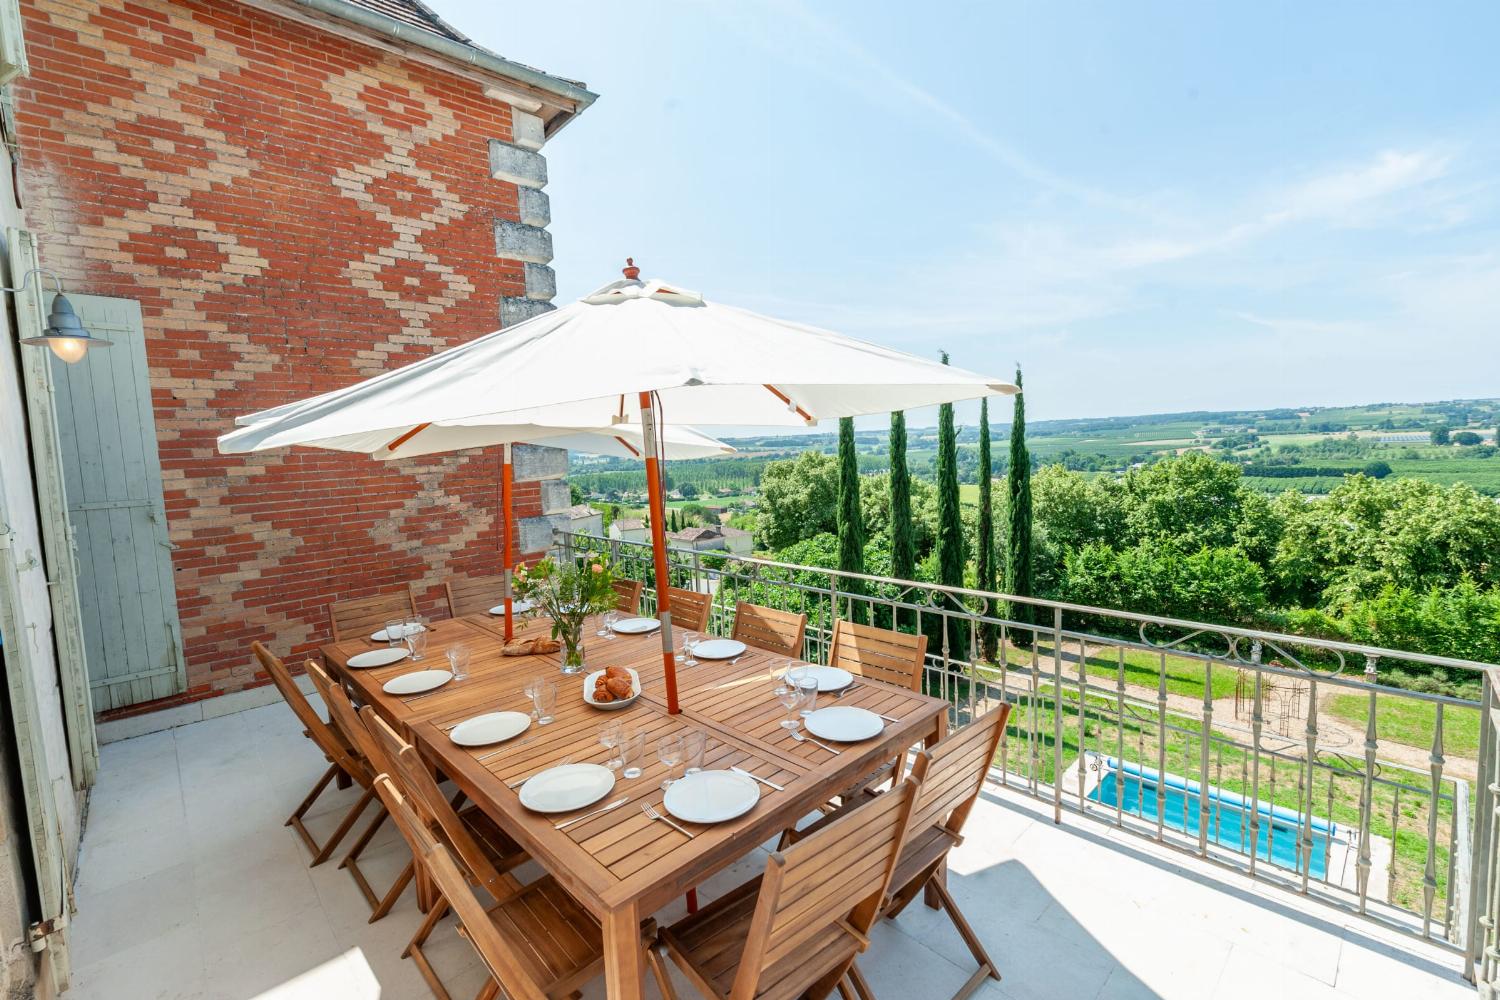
344	827
322	852
394	892
860	984
976	947
379	905
489	991
659	970
365	838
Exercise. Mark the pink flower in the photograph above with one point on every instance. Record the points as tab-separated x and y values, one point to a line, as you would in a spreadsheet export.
598	568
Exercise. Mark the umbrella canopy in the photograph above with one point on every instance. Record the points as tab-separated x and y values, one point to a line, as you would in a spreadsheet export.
583	365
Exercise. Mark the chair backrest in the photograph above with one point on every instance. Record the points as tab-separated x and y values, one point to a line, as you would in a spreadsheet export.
321	733
470	595
431	805
878	653
951	774
628	596
363	615
769	629
825	886
690	608
497	953
344	718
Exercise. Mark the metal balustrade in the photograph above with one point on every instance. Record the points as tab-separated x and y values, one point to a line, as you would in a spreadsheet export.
1259	752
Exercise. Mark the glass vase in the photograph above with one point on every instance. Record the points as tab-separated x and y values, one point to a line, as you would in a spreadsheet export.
572	649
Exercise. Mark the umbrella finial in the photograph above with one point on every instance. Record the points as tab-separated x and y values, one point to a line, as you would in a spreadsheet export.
630	270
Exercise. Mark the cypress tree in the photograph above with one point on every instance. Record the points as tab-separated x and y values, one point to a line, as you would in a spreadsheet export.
850	520
1018	547
950	535
903	535
984	559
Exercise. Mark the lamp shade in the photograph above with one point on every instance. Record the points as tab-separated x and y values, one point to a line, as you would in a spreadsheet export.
65	334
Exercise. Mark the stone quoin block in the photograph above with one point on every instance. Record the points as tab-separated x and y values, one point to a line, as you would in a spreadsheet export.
518	241
518	309
533	462
541	282
535	205
536	532
517	165
526	130
557	496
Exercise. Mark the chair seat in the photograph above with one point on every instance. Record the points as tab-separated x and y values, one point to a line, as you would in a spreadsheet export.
713	939
559	942
921	851
495	842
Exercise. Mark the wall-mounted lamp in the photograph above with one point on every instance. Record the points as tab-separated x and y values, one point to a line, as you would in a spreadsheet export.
64	334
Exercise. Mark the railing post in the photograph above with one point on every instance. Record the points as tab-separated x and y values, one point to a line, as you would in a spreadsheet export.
1367	795
1480	925
1057	713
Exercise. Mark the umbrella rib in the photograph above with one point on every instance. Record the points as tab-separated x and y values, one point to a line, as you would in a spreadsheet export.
407	436
788	401
628	447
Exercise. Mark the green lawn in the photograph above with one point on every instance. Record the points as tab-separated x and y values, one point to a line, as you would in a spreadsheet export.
1185	675
1403	720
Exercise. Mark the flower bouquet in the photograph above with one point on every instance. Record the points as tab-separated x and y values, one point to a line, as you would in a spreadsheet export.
568	594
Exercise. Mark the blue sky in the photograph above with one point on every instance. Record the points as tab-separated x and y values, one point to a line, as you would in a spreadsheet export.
1151	207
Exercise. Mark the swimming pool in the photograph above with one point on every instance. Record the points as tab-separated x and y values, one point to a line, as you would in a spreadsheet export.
1134	788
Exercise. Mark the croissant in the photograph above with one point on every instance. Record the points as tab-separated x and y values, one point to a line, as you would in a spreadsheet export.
619	672
602	695
619	687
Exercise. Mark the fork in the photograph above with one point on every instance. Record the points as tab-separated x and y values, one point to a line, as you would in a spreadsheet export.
651	813
508	746
808	739
846	689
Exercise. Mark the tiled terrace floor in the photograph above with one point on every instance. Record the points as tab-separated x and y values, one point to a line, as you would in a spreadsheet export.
190	887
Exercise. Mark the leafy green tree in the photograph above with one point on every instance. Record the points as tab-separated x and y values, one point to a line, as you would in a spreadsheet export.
1071	510
1018	576
850	519
876	497
984	556
950	537
1467	438
1377	469
1211	584
798	499
1440	435
903	537
688	491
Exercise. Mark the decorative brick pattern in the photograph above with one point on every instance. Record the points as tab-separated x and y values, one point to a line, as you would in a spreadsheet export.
294	211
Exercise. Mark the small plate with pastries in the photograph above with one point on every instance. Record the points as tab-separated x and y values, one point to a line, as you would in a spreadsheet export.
612	688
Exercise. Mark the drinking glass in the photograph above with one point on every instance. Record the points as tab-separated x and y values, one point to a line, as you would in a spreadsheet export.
799	676
530	692
693	744
790	696
458	661
690	642
669	752
606	625
395	632
544	699
416	636
632	750
609	739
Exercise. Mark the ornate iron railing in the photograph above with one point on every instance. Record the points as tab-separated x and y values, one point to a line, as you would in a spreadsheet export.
1257	751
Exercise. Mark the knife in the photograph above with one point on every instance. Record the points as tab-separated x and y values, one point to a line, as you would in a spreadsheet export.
763	781
617	803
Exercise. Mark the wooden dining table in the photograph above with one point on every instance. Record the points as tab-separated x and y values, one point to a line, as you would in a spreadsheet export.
621	865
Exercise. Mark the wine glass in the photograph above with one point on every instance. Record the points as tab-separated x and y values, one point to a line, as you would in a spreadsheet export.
669	752
790	696
800	677
607	627
690	642
609	739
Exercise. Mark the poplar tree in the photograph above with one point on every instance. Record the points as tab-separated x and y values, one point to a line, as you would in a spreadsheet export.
850	520
984	559
950	534
1018	546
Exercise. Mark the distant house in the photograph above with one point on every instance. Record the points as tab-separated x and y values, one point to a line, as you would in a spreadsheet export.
720	539
629	529
583	520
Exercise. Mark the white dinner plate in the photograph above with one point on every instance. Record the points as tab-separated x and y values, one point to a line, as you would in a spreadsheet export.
829	678
482	730
410	628
566	787
719	649
516	608
845	723
379	657
636	626
610	706
711	796
417	681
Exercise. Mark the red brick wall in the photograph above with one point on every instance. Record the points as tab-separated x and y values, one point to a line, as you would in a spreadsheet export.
294	212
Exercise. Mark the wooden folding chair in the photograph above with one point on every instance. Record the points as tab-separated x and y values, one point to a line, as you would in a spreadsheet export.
796	930
628	596
690	608
766	628
364	615
879	654
343	760
486	854
537	942
949	778
472	595
343	716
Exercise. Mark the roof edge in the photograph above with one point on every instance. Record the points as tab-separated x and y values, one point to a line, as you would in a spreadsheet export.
463	52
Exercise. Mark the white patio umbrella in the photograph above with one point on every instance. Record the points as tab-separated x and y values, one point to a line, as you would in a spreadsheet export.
389	444
638	354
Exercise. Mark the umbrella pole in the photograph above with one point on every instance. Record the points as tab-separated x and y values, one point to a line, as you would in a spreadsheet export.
657	500
505	531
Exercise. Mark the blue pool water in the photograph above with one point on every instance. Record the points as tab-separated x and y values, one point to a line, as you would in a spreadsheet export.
1228	818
